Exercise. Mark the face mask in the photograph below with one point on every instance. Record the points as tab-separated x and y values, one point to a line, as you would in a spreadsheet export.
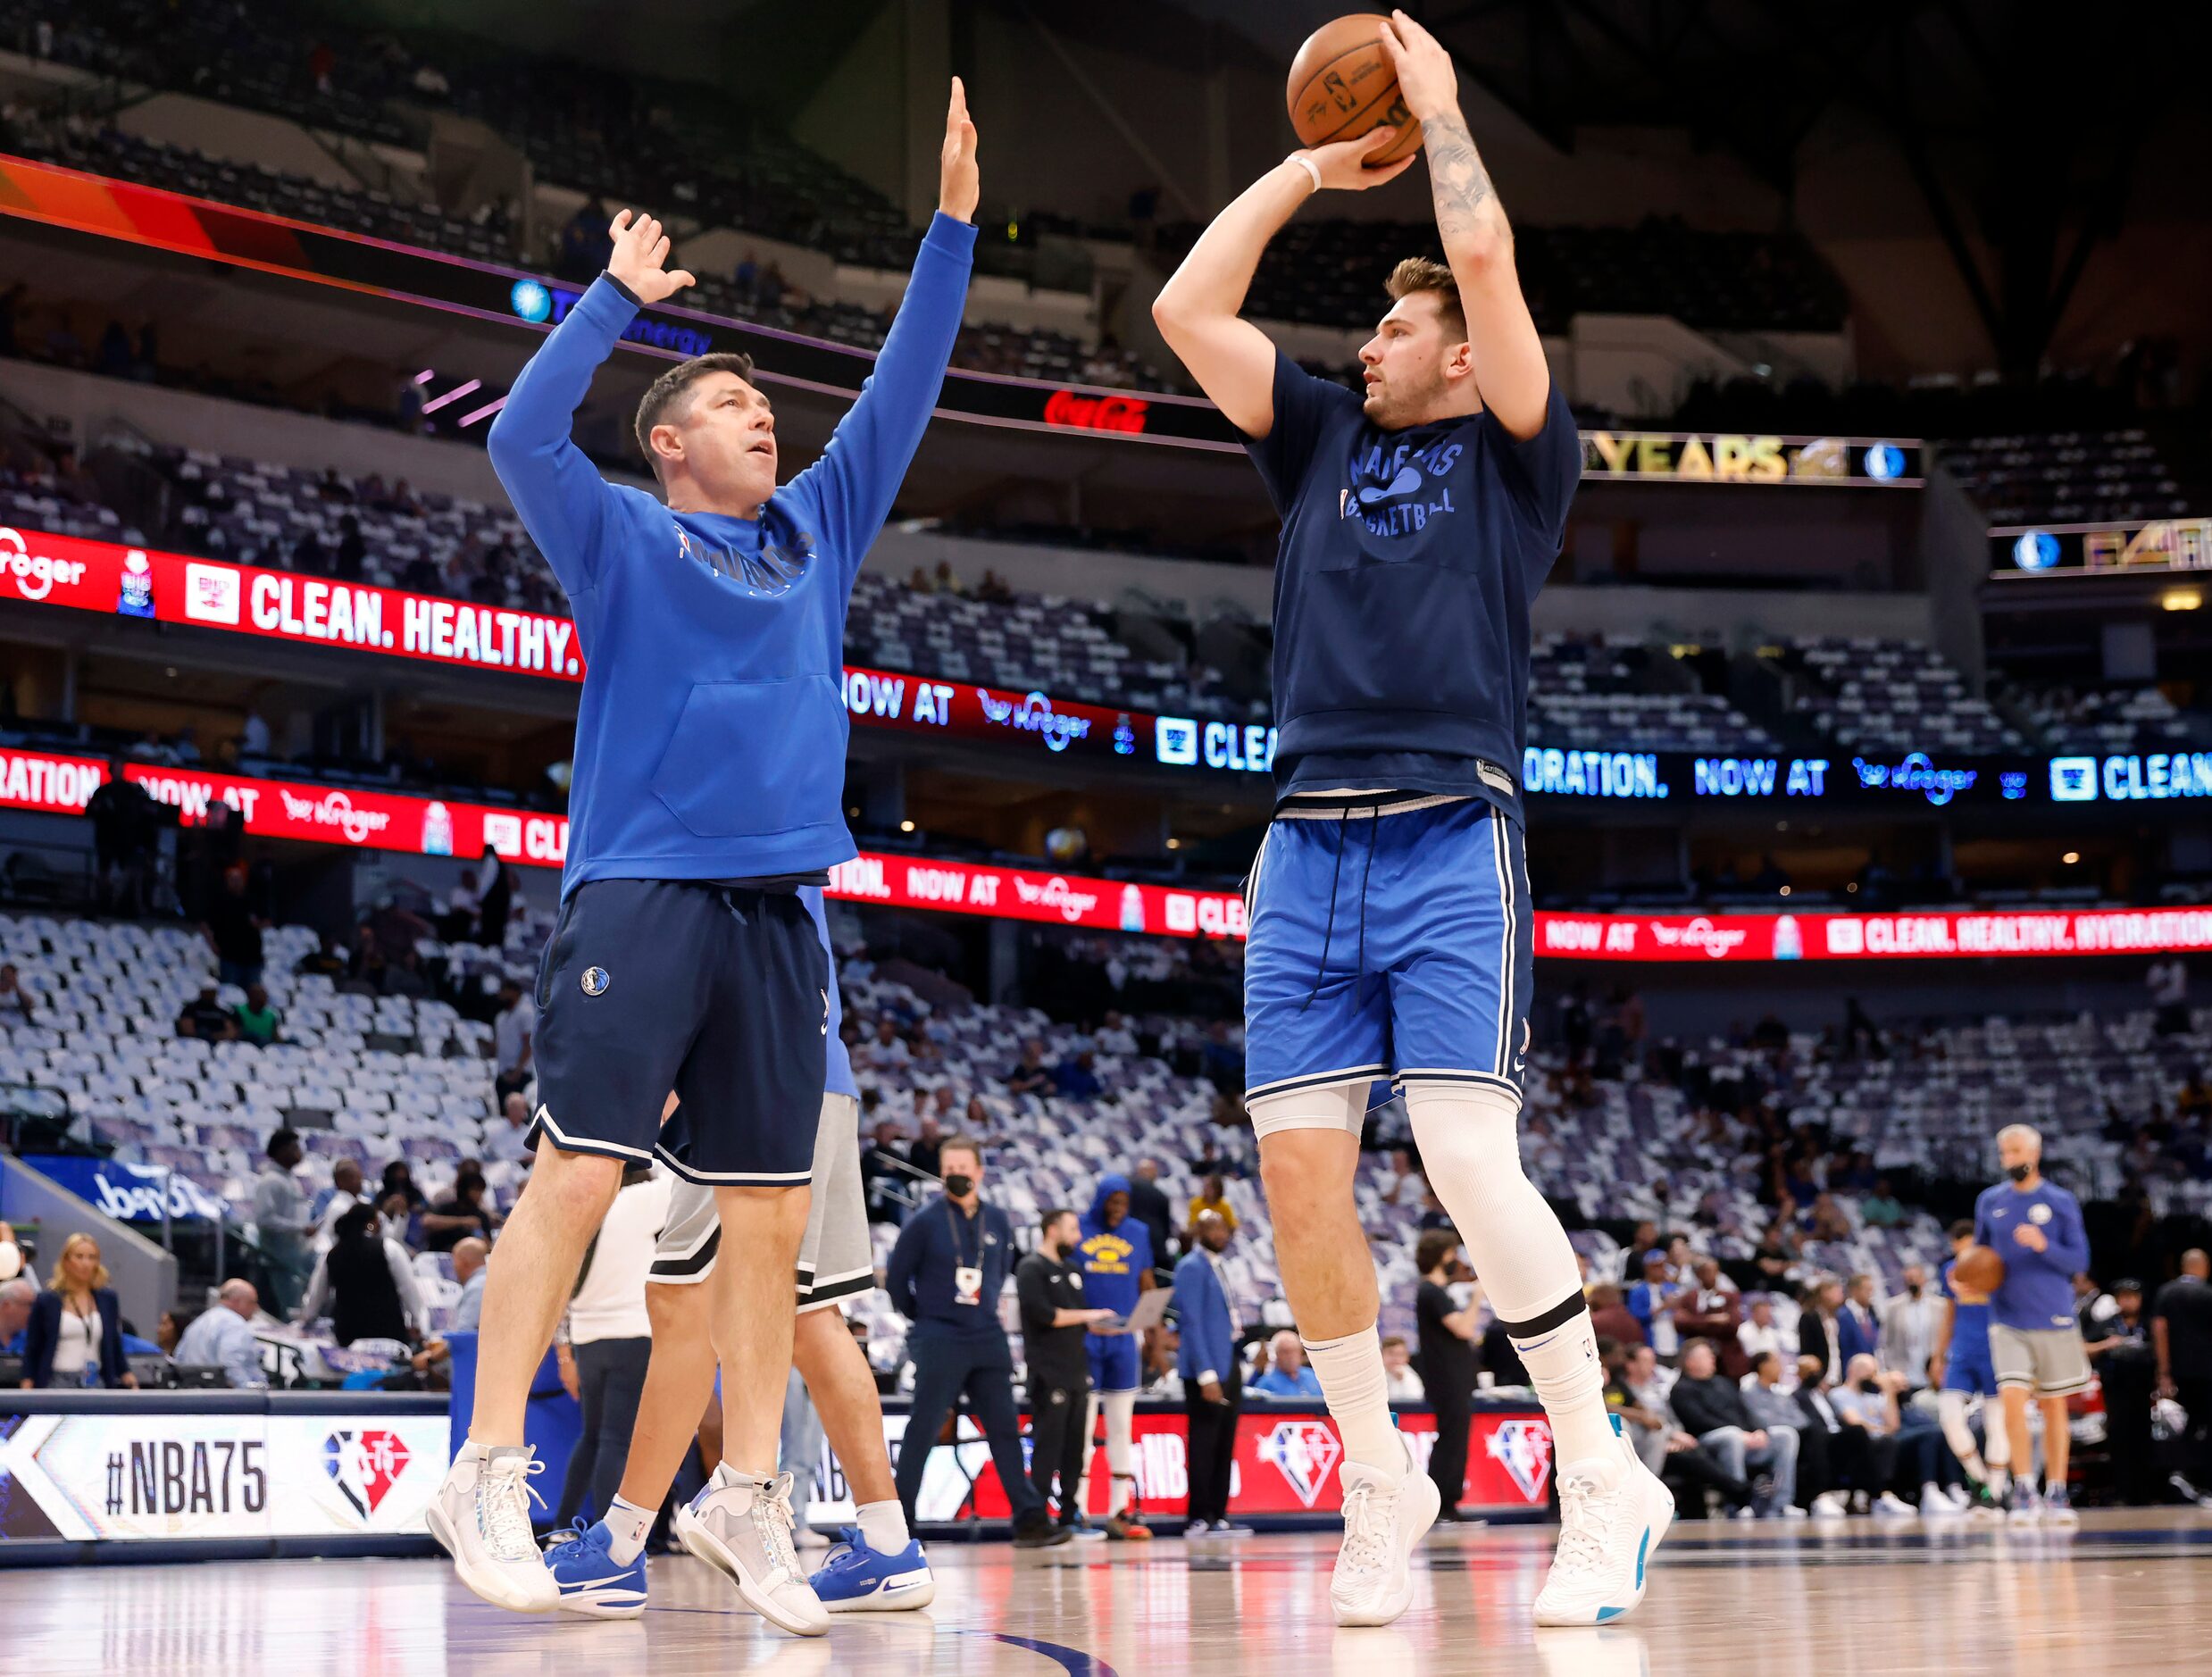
2019	1172
1916	1289
959	1186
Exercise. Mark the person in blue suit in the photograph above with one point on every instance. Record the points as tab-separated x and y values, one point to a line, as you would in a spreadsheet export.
1213	1383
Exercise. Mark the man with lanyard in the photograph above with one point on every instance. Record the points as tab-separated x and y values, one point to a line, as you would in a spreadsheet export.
945	1275
1390	928
1117	1258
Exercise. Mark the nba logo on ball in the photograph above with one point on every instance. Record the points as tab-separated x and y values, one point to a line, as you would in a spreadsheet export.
595	981
1523	1449
1303	1452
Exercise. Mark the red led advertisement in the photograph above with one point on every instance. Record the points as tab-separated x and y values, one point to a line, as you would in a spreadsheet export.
1286	1466
63	784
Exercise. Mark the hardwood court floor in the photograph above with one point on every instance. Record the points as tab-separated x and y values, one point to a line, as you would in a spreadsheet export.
2131	1592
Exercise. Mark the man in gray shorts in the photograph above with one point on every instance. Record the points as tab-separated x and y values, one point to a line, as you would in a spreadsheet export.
2035	1340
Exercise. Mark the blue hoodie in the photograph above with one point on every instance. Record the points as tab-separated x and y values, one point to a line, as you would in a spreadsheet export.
710	740
1113	1259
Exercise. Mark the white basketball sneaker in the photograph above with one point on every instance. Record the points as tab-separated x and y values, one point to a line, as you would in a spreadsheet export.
481	1515
1383	1520
1613	1512
741	1525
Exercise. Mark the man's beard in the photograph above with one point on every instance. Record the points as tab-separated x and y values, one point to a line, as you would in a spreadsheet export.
1393	406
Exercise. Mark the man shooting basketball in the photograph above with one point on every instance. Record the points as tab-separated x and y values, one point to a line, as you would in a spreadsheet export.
1390	926
709	780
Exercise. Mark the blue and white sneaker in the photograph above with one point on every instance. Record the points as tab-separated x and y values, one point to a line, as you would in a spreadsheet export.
590	1579
2027	1507
2058	1507
856	1579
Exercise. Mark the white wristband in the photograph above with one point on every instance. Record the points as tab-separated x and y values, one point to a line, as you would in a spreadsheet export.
1308	165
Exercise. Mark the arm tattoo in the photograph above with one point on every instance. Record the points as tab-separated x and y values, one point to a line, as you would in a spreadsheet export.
1460	183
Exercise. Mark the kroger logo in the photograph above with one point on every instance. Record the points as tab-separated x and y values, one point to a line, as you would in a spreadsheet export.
34	575
335	809
1916	773
1303	1451
1056	895
1717	942
1034	713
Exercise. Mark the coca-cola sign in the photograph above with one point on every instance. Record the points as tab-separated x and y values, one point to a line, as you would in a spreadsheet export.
1096	413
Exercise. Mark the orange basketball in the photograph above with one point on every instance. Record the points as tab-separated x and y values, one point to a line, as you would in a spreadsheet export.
1979	1270
1342	85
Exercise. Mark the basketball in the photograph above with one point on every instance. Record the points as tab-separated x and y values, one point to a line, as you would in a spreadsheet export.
1979	1269
1342	85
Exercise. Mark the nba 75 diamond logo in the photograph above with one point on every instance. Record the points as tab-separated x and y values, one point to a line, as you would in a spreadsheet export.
1303	1451
1523	1449
364	1465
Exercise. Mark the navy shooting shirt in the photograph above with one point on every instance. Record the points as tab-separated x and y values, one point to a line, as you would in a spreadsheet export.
1408	563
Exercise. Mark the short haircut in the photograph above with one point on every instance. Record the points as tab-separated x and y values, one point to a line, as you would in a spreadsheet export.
1045	1223
1963	1230
282	1140
960	1143
1433	1247
2028	1133
1765	1357
1693	1343
669	394
1420	273
1390	1339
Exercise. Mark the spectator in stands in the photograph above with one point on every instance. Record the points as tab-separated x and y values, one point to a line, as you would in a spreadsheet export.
1075	1079
497	902
1287	1376
222	1337
506	1137
1711	1308
233	930
1909	1325
124	821
882	1177
1820	1331
1858	1325
342	1195
1031	1075
1611	1317
1651	1301
1405	1386
1148	1204
1829	1221
1774	1408
1760	1333
1867	1398
514	1034
281	1218
458	923
365	1282
207	1019
260	1021
608	1341
461	1212
1659	1438
1213	1196
330	961
16	1297
2168	980
925	1151
1880	1209
469	1253
887	1050
75	1333
254	739
1713	1410
15	1007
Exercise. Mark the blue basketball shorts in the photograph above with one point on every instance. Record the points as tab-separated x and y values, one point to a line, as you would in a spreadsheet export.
1966	1365
720	993
1113	1362
1397	947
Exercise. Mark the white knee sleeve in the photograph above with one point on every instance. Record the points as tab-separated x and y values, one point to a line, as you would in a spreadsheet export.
1950	1409
1339	1106
1471	1153
1120	1411
1996	1439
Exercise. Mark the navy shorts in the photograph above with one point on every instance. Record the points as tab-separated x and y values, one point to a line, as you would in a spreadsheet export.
718	992
1395	947
1113	1362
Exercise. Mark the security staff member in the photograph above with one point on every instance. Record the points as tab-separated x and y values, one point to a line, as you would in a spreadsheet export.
1054	1317
945	1275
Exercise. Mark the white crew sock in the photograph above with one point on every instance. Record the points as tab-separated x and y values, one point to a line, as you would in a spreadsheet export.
1358	1394
1121	1413
884	1525
1471	1152
630	1524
